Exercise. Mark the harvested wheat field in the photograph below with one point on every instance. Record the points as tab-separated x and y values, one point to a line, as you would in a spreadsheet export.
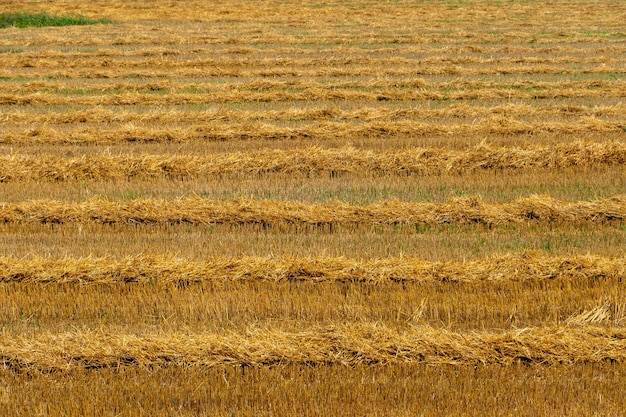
313	208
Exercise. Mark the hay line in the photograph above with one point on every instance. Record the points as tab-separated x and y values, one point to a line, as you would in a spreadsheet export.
341	345
244	62
410	83
99	71
270	212
326	130
514	53
325	112
314	161
321	93
167	269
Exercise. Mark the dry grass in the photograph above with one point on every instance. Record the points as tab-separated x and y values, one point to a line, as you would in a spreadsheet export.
374	18
153	305
308	111
269	212
363	390
528	266
577	183
38	69
254	193
405	88
318	131
314	162
447	242
342	345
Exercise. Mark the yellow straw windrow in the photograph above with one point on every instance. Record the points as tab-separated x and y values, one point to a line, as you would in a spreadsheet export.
314	161
167	269
327	130
315	208
347	345
270	212
320	112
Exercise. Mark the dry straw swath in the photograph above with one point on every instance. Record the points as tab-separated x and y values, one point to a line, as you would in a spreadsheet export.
327	130
306	84
342	345
325	112
562	53
269	212
314	161
97	70
164	269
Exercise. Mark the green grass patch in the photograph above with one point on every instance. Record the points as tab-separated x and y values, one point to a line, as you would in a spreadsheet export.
24	20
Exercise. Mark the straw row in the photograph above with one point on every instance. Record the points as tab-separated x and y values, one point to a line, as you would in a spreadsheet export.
166	269
107	71
313	161
341	345
247	62
101	87
322	130
269	212
515	53
248	39
240	93
454	110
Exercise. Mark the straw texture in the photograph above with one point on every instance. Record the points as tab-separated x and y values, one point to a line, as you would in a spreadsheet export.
528	266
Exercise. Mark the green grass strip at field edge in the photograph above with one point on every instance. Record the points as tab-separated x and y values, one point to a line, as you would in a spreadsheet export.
43	19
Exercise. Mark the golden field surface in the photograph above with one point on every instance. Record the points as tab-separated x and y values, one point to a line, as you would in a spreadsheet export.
314	208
